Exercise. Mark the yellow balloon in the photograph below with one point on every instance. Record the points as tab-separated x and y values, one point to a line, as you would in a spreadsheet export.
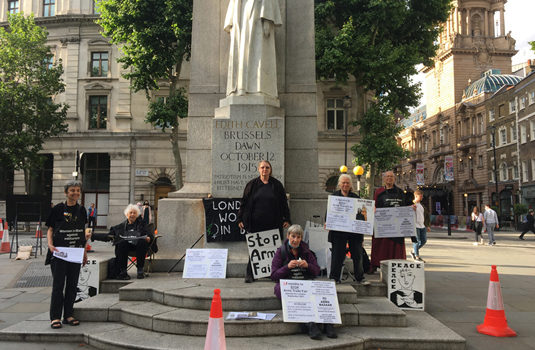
343	169
358	170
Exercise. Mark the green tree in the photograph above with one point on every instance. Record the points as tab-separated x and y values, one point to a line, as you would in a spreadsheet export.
29	80
379	43
155	38
532	43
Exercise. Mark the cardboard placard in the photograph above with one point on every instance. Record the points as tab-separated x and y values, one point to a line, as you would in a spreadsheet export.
406	284
350	214
262	247
88	281
221	218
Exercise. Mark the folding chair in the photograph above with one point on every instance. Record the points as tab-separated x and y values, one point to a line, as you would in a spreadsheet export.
132	261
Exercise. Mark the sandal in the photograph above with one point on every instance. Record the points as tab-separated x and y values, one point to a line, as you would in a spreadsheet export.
56	324
71	321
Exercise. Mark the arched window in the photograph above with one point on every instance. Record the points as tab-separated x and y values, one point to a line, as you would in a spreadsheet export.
331	183
503	171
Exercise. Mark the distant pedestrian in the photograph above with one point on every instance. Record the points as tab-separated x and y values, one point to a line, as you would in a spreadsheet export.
491	222
422	226
146	213
477	224
92	216
530	225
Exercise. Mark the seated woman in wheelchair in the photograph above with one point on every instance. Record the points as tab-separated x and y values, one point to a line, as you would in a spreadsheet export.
130	235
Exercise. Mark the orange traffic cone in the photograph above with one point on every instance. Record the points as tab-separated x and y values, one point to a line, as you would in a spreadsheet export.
5	247
38	231
1	229
495	323
215	335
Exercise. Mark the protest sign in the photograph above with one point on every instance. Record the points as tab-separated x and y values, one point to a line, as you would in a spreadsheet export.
88	280
205	263
395	222
262	247
406	284
221	219
309	301
74	255
350	214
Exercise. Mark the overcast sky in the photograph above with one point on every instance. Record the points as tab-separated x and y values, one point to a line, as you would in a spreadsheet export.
519	18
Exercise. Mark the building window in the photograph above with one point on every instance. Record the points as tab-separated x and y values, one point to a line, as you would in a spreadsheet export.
531	97
532	129
523	134
474	127
49	62
434	138
503	172
501	111
533	170
525	171
98	112
441	131
335	114
503	136
513	133
491	115
99	64
522	102
516	174
95	7
13	6
480	161
512	107
49	8
480	122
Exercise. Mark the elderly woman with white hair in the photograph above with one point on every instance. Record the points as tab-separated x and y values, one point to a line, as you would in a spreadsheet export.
340	239
130	235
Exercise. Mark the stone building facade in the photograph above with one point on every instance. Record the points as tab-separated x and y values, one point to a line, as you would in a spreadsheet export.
122	159
455	124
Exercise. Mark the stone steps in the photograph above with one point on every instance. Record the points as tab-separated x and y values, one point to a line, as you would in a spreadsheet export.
422	332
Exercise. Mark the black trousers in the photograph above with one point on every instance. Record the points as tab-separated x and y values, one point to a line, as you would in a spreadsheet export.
64	280
121	252
526	230
339	241
478	225
92	222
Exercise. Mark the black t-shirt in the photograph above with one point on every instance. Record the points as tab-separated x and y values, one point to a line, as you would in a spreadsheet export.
265	209
68	223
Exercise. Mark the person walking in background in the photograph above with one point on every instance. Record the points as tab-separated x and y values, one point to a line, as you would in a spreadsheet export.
530	225
146	213
92	216
477	224
491	222
422	226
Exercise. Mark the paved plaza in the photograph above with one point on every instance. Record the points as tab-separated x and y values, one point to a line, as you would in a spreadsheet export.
457	278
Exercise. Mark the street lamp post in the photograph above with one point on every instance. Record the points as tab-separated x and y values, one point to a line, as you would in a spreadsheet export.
347	105
493	131
358	171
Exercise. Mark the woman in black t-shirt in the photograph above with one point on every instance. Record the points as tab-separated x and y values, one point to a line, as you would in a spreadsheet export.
66	226
263	206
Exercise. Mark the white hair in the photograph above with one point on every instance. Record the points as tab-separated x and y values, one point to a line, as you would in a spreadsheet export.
345	176
132	207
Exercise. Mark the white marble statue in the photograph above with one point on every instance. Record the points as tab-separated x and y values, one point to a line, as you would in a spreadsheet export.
252	61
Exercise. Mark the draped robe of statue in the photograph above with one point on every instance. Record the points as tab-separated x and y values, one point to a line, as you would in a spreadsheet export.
252	60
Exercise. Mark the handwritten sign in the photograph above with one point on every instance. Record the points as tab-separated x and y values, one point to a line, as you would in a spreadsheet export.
88	280
221	218
262	247
309	301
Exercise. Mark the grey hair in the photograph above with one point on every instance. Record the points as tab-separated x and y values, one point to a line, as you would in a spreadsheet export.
132	207
345	176
297	229
72	183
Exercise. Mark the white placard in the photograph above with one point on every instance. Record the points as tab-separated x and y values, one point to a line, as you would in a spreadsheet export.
319	244
205	263
262	247
88	280
350	215
406	284
310	301
395	222
74	255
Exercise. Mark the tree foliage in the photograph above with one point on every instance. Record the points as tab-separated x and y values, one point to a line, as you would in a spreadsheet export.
155	38
379	43
28	83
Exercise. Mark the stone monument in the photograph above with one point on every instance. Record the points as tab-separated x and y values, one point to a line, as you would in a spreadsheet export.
252	96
